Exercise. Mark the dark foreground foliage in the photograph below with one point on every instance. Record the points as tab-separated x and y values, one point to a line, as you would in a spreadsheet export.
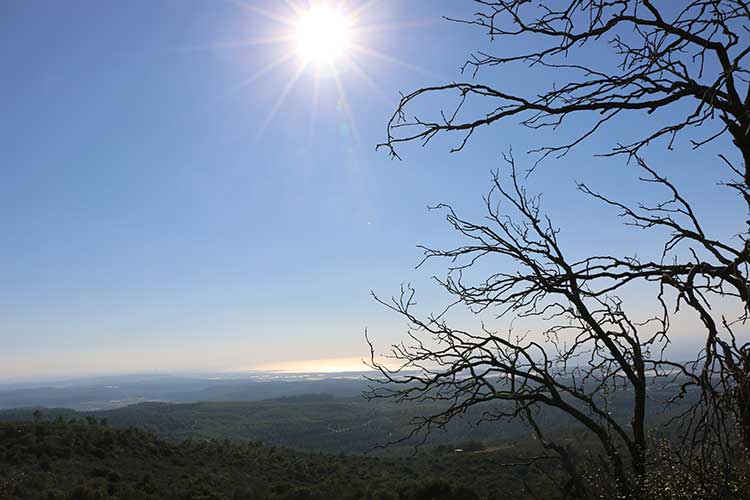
91	461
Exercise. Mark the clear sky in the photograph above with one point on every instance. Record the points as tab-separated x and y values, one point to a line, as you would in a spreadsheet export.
176	194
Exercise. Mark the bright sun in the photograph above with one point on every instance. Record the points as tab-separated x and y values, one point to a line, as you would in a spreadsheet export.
322	35
328	37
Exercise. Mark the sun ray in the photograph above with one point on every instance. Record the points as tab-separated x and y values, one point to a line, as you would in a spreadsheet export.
384	57
259	73
240	44
263	12
368	81
280	100
380	28
347	109
295	7
356	13
315	99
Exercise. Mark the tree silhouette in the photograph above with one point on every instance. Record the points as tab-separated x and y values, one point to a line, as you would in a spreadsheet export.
681	60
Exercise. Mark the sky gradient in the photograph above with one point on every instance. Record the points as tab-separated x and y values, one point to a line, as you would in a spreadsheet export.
163	209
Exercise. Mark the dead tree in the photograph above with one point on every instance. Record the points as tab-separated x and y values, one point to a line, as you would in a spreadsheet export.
669	55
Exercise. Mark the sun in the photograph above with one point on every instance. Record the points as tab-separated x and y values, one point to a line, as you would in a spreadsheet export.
322	35
326	42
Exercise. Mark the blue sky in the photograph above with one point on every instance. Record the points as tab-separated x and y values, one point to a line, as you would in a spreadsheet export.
155	216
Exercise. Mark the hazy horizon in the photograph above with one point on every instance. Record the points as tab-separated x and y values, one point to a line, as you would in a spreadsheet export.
331	366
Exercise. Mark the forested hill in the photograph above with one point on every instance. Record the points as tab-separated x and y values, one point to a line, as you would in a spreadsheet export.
316	422
319	423
91	461
230	451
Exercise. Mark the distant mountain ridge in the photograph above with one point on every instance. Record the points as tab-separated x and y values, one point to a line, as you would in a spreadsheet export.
102	393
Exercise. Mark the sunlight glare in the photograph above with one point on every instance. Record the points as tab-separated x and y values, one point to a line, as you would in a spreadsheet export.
322	35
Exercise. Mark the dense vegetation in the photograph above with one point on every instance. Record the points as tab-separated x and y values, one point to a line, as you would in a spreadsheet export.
312	423
87	460
318	422
234	451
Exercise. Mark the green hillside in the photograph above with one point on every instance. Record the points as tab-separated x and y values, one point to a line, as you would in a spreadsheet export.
324	422
91	461
311	423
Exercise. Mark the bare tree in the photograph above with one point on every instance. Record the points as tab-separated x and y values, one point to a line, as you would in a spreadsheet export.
686	60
